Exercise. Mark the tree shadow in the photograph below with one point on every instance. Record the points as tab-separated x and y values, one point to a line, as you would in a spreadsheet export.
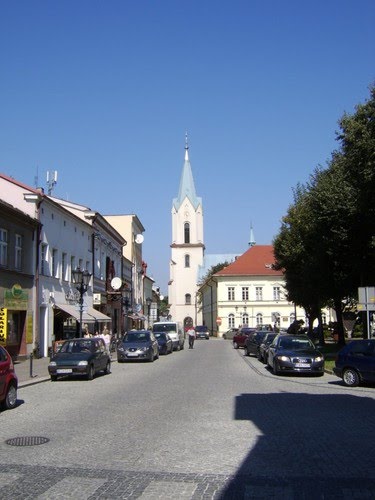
307	446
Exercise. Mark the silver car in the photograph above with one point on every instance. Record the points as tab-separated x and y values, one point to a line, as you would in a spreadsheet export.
138	344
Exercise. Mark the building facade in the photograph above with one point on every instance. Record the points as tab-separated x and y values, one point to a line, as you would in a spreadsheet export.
187	250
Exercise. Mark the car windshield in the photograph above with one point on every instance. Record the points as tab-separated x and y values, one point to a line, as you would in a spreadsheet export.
295	344
137	337
201	328
77	346
164	327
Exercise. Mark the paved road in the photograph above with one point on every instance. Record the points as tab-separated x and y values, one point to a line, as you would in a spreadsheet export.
198	424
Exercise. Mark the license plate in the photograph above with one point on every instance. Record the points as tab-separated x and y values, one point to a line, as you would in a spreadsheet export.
64	370
302	365
132	354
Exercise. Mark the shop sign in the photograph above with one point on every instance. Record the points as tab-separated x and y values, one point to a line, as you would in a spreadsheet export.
3	325
16	298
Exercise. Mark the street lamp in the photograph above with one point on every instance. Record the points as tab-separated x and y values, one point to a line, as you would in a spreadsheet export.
126	303
148	302
81	279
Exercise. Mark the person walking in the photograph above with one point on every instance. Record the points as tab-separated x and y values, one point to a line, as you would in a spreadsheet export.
191	335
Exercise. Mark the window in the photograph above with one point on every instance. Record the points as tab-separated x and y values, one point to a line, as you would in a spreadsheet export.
187	299
276	293
230	292
259	319
258	293
3	247
187	232
187	260
18	252
64	267
72	267
231	321
54	262
245	293
245	319
43	260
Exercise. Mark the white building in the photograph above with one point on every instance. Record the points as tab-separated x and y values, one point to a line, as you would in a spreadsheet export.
187	249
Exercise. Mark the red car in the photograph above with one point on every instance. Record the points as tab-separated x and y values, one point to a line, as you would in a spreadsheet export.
239	340
8	381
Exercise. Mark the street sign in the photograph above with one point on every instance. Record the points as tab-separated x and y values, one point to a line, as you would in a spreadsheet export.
218	321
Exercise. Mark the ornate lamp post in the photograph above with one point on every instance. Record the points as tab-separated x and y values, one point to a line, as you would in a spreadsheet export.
126	303
81	279
148	302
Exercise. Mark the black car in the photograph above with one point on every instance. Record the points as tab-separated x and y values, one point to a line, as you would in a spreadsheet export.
253	341
201	332
165	342
355	363
82	356
138	344
263	348
294	354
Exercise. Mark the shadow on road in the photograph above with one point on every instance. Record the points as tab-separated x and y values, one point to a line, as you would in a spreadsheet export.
309	446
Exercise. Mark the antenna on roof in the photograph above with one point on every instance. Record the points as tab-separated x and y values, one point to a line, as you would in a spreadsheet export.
36	177
51	180
252	240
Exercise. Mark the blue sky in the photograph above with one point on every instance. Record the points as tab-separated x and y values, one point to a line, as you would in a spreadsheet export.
103	92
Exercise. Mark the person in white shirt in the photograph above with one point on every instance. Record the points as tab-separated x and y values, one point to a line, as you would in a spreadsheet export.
191	335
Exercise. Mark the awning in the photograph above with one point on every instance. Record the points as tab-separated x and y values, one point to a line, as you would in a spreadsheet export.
89	314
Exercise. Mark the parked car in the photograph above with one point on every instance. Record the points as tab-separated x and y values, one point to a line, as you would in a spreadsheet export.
253	341
239	339
174	330
229	334
81	356
355	363
294	354
138	344
8	381
264	345
165	342
201	332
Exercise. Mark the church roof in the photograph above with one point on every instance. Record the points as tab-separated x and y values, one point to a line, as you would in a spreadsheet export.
256	261
187	187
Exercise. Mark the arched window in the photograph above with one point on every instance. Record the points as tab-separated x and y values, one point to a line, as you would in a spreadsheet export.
245	319
187	260
231	321
259	319
187	232
187	299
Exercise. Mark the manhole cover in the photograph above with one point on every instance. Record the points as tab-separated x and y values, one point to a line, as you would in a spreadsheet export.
27	441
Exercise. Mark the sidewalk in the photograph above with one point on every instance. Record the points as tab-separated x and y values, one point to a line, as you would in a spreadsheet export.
31	372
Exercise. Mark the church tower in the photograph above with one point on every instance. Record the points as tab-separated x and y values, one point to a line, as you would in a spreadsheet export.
187	249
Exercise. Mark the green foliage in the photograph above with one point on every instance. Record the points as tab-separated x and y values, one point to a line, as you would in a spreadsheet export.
326	243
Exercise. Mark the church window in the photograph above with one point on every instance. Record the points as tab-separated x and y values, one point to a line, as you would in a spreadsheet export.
187	299
187	260
187	232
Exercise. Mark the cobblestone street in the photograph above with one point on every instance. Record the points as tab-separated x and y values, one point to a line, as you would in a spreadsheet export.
219	426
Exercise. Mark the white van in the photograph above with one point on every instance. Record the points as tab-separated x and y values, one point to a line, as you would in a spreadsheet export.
174	330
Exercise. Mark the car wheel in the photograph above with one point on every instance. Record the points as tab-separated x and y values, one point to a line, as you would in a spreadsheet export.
259	356
90	374
235	345
350	377
11	397
182	347
151	357
107	370
53	378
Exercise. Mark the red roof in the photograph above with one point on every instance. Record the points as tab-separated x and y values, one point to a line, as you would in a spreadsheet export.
256	261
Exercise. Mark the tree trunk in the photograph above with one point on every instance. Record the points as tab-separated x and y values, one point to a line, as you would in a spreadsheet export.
340	324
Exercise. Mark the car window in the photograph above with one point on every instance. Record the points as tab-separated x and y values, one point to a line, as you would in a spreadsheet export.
362	347
295	343
3	355
137	337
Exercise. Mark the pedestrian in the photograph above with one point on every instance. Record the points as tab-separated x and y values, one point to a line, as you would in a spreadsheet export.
191	335
106	336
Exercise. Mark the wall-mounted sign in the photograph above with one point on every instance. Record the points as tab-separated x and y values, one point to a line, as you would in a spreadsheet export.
16	298
3	325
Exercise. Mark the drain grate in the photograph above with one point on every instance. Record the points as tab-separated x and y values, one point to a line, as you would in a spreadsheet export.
27	441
